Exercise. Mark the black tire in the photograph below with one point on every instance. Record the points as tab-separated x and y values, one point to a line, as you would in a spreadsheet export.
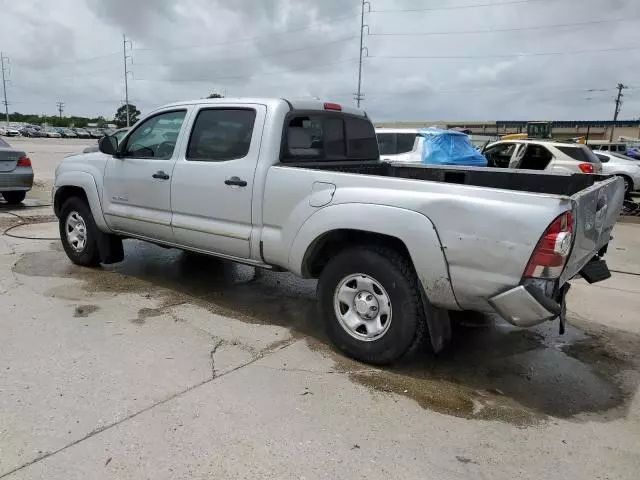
393	271
628	183
14	198
89	255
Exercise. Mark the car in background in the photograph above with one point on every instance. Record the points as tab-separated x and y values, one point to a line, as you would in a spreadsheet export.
633	152
50	132
119	134
9	131
621	166
67	133
399	144
16	174
555	157
29	131
95	133
81	133
604	146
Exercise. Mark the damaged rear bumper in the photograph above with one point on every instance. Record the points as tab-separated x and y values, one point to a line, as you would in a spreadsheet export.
525	306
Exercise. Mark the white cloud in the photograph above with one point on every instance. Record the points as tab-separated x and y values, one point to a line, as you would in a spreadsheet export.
184	49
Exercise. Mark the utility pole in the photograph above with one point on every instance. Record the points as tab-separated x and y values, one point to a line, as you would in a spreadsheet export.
359	96
617	110
60	108
126	74
4	85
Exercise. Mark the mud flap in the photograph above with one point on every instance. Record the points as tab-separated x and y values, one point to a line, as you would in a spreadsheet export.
595	271
562	300
438	323
109	247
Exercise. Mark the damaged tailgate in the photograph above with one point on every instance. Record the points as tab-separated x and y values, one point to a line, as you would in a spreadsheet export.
596	210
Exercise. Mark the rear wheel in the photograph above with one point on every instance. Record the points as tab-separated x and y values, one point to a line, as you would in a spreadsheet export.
78	233
14	198
628	184
371	305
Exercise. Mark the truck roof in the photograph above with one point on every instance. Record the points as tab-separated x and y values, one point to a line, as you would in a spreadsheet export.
297	104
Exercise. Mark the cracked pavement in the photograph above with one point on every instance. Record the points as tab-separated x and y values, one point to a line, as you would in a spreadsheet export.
170	366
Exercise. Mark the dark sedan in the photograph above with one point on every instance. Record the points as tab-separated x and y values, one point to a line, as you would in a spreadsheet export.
16	174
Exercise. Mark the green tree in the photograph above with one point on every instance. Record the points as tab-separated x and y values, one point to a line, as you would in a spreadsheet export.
215	95
120	118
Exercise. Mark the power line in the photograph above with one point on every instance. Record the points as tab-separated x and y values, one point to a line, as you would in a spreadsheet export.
359	97
503	30
244	77
126	74
262	55
310	26
508	55
620	87
60	108
456	7
4	85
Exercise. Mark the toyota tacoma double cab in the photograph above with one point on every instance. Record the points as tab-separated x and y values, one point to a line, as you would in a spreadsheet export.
298	186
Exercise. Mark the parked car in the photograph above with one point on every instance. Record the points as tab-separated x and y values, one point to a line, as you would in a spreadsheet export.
399	144
622	166
633	152
67	133
49	132
542	155
9	131
16	174
605	146
30	131
298	186
81	133
95	133
118	134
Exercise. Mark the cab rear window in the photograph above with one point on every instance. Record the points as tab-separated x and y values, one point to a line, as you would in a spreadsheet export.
319	136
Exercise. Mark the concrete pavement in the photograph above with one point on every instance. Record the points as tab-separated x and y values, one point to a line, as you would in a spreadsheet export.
173	366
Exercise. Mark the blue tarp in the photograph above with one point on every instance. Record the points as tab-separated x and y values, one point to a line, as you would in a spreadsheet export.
448	147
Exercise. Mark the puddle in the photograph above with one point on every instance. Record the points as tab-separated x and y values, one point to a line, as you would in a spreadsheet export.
491	371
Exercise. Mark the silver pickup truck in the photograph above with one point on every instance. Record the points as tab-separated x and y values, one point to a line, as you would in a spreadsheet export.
298	186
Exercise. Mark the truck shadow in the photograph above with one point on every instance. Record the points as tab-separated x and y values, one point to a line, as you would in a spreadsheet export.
490	371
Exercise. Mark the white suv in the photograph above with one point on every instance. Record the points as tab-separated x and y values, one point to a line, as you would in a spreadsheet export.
542	155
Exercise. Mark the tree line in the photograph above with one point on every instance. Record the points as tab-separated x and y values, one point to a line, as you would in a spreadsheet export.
120	117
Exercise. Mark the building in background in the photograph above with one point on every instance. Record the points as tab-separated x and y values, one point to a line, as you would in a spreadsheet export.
563	129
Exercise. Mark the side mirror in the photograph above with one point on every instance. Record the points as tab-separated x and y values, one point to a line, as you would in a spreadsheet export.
108	145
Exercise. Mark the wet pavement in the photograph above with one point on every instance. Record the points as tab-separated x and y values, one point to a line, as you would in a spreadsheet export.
255	366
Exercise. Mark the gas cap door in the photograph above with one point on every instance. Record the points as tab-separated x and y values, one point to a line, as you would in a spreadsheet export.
321	194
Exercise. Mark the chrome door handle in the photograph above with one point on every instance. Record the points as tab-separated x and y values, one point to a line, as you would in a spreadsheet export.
161	175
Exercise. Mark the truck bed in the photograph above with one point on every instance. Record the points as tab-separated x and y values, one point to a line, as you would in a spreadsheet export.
526	181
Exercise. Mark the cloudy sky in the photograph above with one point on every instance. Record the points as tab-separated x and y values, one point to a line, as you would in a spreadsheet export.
427	59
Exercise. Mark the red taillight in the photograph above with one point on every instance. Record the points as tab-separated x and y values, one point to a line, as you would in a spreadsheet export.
553	249
24	162
586	167
333	106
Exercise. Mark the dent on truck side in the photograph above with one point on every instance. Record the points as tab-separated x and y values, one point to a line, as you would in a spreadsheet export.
413	229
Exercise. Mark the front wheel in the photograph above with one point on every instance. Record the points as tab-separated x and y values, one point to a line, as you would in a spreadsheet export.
371	305
78	233
14	198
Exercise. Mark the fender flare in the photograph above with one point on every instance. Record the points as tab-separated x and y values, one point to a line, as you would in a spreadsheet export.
86	182
415	230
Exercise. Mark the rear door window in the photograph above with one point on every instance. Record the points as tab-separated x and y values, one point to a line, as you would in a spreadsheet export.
221	134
